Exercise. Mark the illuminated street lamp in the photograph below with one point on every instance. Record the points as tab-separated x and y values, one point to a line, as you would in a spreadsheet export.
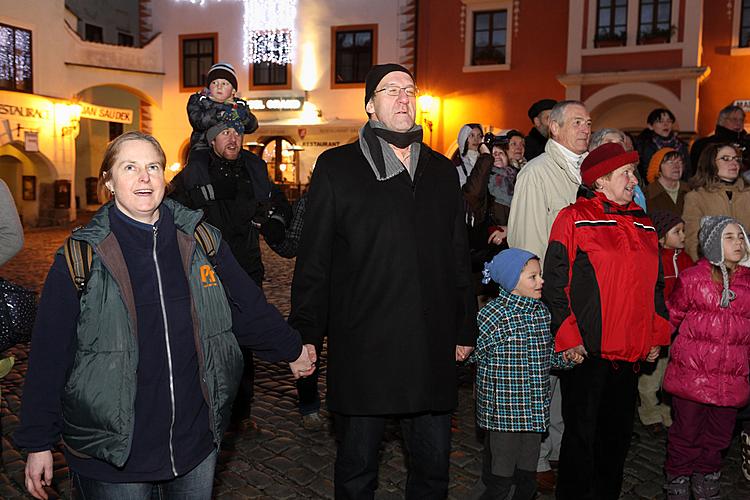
426	106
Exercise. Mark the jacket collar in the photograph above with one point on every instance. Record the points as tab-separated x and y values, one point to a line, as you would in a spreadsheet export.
99	228
509	301
632	209
560	159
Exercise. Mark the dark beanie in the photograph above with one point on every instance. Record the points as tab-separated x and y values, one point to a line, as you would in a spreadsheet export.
222	70
377	73
664	220
540	106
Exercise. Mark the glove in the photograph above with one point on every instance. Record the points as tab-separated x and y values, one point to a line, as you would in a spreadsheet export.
273	231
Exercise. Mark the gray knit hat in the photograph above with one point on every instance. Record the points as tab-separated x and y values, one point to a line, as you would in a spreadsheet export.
712	246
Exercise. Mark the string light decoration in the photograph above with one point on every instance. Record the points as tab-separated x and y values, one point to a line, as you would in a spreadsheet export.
268	30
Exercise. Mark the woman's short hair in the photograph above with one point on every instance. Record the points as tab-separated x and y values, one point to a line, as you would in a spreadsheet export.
597	138
706	172
110	155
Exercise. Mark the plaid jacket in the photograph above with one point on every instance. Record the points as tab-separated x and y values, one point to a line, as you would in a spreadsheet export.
514	353
288	247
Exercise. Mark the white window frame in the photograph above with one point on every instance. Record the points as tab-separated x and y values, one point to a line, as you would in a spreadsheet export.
473	6
631	44
735	49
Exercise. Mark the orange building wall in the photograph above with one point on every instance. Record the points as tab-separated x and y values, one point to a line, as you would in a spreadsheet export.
499	98
730	75
633	61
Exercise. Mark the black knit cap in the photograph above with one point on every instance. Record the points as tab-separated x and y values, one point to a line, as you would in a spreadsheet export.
222	70
664	220
377	73
540	106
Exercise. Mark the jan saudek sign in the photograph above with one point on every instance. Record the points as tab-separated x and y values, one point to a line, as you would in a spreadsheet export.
107	114
91	111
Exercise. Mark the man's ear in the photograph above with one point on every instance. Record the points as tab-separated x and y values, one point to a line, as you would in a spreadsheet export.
554	128
537	122
370	107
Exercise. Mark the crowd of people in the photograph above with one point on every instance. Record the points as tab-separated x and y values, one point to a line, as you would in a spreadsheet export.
643	246
590	276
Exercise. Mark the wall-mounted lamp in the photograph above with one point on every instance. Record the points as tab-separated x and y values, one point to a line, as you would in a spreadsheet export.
426	105
68	117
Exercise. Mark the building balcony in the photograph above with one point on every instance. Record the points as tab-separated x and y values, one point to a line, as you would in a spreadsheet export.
148	59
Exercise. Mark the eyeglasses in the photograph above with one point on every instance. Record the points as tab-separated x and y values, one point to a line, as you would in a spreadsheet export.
395	90
730	158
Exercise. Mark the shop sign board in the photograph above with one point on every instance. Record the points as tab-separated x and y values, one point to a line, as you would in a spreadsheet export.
283	103
31	141
105	113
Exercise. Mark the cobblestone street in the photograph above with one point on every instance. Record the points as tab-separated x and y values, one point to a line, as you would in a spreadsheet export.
286	461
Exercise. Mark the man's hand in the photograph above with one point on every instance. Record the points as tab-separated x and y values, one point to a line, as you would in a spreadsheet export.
463	352
575	354
39	473
653	353
304	365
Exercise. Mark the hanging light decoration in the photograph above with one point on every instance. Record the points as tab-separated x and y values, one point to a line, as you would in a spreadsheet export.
269	31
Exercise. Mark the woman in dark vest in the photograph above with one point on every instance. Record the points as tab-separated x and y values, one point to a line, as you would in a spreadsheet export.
137	371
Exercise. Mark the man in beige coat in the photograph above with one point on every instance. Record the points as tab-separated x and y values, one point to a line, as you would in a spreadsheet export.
546	185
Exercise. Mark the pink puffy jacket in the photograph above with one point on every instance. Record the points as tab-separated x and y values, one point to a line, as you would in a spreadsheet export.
709	360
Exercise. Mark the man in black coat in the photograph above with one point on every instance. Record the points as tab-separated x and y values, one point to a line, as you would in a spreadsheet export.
232	187
539	133
383	270
730	129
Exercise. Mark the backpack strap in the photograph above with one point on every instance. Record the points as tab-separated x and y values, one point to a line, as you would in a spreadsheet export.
206	240
78	256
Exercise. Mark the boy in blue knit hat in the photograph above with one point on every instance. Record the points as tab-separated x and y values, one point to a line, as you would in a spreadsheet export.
514	353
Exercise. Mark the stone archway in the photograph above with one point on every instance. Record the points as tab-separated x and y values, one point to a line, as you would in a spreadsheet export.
626	106
32	174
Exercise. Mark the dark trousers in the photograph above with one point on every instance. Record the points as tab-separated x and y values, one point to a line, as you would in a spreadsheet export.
598	405
510	458
697	437
246	392
195	485
427	438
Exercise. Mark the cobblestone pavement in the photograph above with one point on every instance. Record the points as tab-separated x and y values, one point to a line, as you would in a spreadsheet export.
286	461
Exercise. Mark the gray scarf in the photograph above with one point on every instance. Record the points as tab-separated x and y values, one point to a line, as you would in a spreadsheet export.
391	166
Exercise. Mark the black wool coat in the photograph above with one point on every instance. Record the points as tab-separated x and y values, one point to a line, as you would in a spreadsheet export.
383	270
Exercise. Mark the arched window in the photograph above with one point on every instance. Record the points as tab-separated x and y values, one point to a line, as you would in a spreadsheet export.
283	160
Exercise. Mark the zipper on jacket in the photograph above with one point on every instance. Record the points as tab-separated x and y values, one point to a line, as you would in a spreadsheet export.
674	263
169	353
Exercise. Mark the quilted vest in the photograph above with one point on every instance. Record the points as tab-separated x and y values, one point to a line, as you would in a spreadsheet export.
99	394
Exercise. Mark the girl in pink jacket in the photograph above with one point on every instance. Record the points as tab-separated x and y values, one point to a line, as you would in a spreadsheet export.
708	368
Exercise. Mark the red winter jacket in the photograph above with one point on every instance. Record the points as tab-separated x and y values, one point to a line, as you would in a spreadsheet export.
673	262
603	280
708	361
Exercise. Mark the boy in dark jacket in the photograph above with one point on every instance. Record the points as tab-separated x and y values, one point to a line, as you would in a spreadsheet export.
216	103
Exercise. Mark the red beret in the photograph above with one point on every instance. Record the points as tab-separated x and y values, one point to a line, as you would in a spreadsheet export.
605	159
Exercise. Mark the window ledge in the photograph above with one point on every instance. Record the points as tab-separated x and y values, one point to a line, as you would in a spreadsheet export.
626	49
739	51
486	67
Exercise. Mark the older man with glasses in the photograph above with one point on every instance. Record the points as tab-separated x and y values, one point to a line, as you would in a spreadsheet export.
383	271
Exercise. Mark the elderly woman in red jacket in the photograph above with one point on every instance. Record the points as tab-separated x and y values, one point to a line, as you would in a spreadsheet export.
603	285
